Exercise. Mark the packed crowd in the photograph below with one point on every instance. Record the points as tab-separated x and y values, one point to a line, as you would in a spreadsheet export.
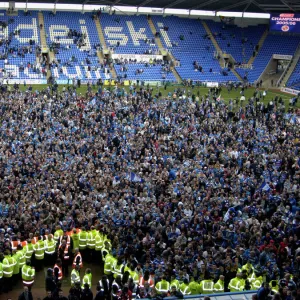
195	196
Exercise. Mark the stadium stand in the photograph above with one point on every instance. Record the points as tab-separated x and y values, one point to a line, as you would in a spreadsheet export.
19	59
239	42
288	46
294	80
76	43
73	55
145	71
185	38
128	34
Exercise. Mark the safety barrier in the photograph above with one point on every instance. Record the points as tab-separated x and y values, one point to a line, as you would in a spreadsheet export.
245	295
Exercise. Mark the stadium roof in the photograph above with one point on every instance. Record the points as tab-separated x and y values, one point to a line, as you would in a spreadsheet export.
213	5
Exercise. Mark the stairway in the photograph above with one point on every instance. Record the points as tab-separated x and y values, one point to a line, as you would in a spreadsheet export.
44	41
100	33
290	69
104	47
153	30
260	44
219	50
100	55
170	56
42	31
237	75
215	43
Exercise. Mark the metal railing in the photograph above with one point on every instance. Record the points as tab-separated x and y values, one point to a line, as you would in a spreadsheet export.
245	295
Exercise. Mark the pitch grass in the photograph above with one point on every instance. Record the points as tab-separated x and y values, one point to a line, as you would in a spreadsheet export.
271	94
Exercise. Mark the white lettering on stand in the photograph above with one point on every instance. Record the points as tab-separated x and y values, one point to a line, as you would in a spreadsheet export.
164	34
87	38
32	27
59	33
4	32
115	37
136	35
13	69
77	75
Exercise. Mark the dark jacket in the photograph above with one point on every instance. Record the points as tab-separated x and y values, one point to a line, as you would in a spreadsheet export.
50	284
86	294
23	296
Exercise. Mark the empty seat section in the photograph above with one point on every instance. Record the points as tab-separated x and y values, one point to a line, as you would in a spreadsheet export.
185	38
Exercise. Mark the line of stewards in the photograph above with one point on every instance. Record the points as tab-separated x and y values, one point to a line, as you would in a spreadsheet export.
43	249
193	287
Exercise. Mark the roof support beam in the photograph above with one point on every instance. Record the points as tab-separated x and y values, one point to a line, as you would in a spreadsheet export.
234	5
247	6
259	6
174	3
116	2
287	5
205	4
145	3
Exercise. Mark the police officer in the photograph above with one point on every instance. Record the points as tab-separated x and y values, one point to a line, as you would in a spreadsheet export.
98	247
206	286
75	239
58	233
16	271
184	287
22	257
82	241
28	250
75	276
219	285
236	284
39	253
194	286
87	278
8	264
118	268
49	246
162	287
28	274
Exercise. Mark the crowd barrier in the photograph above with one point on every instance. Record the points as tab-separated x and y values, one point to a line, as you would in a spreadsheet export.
246	295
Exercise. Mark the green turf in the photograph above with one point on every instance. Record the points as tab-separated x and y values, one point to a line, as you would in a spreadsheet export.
202	90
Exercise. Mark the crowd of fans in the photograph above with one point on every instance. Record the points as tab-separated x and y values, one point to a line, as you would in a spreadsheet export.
185	187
